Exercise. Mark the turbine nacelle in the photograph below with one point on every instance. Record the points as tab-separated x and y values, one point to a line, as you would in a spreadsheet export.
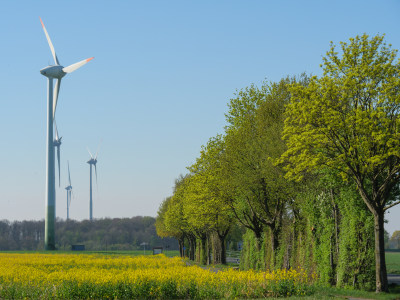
53	72
68	188
57	142
92	161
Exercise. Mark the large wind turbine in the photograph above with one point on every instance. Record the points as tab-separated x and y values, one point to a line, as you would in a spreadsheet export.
69	190
92	161
53	72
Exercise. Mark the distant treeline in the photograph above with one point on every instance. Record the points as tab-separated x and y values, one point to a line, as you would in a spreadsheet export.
100	234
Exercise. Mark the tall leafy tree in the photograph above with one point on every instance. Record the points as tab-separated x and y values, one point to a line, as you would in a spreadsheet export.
208	206
161	227
174	218
349	120
253	142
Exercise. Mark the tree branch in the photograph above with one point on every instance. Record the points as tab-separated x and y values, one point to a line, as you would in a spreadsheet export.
391	205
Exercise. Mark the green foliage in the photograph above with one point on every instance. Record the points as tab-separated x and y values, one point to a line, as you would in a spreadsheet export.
328	231
349	121
317	197
258	191
253	252
175	222
356	265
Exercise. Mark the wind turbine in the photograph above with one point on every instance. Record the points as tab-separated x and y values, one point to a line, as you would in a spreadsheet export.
69	190
53	72
57	144
92	161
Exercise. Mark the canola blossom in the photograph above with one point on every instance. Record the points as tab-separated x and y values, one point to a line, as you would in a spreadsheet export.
84	276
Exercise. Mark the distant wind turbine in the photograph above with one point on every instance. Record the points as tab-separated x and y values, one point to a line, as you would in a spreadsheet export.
57	143
69	191
53	72
92	161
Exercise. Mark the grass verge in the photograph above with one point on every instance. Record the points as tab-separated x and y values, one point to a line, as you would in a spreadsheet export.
393	262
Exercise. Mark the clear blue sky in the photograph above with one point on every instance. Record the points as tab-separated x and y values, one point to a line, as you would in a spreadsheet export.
156	91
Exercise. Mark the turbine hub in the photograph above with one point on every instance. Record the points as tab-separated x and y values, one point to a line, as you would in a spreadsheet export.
92	161
53	72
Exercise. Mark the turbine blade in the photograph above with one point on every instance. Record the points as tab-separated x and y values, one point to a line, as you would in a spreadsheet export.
58	160
55	97
50	43
98	148
69	175
55	127
89	152
77	65
95	171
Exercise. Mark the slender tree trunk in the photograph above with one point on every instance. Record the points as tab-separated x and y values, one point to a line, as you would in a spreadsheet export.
379	230
203	250
258	239
335	237
380	262
223	250
275	233
209	248
192	247
222	244
181	243
193	252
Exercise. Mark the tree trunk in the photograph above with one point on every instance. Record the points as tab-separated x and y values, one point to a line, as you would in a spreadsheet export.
275	234
203	251
192	247
209	248
258	239
223	250
221	237
181	245
380	262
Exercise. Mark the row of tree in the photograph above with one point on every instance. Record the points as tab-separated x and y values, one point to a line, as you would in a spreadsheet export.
307	165
99	234
394	241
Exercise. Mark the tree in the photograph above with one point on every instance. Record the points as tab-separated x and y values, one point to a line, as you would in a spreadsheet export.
253	141
160	219
395	239
349	120
207	208
175	221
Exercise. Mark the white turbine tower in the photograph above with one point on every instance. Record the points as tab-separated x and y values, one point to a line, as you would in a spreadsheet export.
53	72
92	161
69	191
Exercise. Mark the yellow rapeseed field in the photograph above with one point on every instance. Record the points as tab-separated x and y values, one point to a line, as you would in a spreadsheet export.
83	276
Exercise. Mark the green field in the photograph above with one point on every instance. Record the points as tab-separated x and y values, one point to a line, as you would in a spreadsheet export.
393	262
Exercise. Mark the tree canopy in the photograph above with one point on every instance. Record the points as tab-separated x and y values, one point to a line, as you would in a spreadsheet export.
308	165
348	120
